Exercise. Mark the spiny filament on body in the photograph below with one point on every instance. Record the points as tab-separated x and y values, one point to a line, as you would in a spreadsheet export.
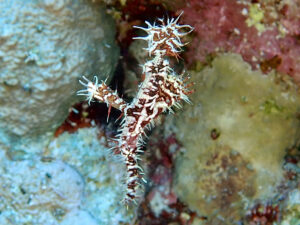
160	91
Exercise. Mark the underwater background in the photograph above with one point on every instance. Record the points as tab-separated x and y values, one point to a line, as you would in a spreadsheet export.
231	157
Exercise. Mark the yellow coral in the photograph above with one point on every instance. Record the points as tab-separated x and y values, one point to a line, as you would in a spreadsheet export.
256	15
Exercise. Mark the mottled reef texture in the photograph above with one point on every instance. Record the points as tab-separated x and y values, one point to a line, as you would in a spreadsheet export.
102	171
77	181
38	191
264	33
45	47
232	156
235	134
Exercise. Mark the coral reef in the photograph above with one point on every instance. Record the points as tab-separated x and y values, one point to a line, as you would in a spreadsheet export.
76	181
291	214
160	90
45	47
232	157
160	204
263	214
102	172
264	33
40	191
235	135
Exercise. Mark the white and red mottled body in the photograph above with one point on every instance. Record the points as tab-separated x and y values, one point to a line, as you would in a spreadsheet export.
160	90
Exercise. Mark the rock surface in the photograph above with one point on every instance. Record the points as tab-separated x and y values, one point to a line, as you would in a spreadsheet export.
103	174
39	191
235	134
46	46
77	181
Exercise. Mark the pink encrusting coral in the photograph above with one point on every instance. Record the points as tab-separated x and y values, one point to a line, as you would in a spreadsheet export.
265	34
160	90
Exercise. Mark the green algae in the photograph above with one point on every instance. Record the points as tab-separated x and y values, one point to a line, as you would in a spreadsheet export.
256	15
